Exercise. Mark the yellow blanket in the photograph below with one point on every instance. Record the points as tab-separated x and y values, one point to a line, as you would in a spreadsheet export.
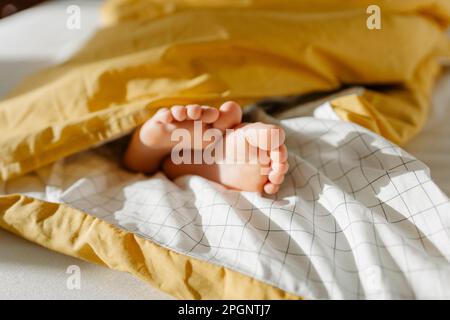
156	53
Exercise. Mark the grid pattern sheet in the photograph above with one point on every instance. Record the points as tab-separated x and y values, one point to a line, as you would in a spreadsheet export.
356	218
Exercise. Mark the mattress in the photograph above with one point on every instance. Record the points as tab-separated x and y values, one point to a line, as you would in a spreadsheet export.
24	56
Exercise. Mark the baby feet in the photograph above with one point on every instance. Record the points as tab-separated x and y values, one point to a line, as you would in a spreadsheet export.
254	159
152	142
253	156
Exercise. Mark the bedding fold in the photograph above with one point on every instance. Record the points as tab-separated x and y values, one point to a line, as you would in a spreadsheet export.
357	218
71	231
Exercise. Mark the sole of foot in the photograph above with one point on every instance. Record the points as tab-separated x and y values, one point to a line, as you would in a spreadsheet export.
254	159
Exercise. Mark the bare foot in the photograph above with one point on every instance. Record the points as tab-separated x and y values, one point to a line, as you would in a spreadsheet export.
254	159
152	142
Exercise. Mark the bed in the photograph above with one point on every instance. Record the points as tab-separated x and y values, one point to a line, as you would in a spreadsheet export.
34	266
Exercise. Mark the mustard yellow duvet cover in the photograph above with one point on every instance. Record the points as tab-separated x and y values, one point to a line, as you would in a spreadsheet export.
151	54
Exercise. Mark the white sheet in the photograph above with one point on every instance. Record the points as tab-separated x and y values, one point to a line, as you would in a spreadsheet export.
357	217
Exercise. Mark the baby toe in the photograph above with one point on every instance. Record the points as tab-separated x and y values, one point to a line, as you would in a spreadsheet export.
179	113
264	136
209	115
163	115
271	188
281	167
194	111
280	155
276	177
230	115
